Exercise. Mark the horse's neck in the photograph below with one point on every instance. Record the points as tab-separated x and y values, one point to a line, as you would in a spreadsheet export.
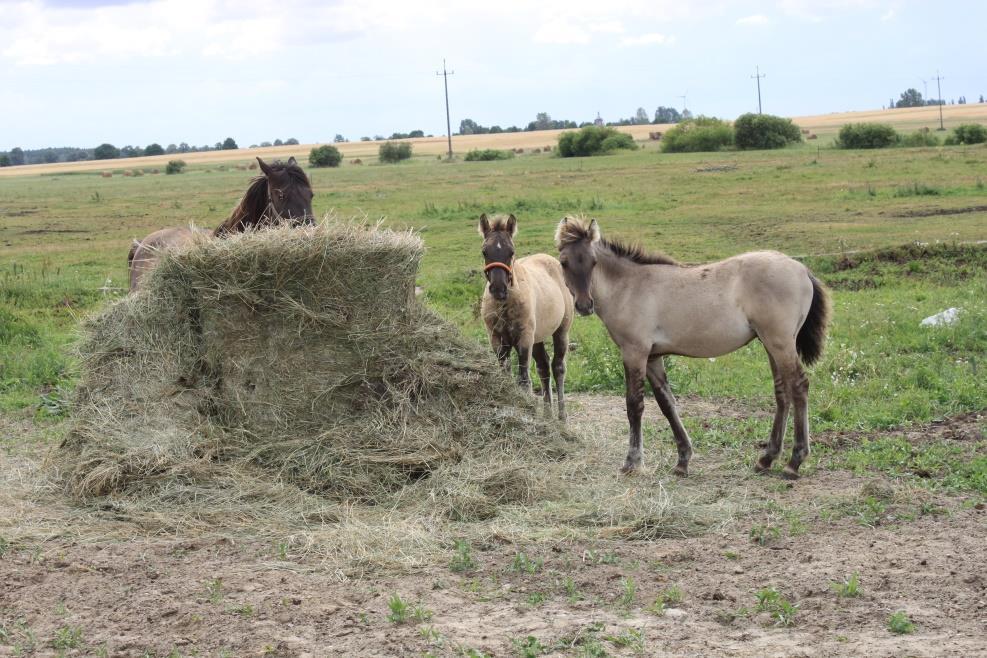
613	277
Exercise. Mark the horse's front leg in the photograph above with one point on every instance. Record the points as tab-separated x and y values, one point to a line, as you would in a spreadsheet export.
634	369
524	348
666	402
503	351
544	374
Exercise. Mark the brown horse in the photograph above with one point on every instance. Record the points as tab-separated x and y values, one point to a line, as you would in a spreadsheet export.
282	193
525	303
652	306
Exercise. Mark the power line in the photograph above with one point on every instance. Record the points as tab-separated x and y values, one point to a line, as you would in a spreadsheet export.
445	81
939	80
758	76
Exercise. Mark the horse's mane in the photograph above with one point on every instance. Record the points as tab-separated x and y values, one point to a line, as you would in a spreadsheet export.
252	207
577	229
499	223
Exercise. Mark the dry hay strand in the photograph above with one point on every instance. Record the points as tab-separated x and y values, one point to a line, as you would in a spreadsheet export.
285	376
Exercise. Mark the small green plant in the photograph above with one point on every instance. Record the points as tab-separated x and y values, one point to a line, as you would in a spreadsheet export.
630	638
782	611
399	609
244	610
849	588
628	590
4	546
214	589
523	564
67	637
571	589
900	624
421	613
529	647
390	152
462	558
536	598
762	535
326	155
431	635
175	167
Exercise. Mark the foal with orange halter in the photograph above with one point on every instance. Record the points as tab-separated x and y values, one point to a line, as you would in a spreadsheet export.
525	303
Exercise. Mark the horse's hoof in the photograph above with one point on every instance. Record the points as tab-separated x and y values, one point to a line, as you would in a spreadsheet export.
629	469
681	471
761	467
789	473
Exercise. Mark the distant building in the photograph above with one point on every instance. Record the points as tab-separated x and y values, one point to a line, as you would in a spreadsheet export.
598	121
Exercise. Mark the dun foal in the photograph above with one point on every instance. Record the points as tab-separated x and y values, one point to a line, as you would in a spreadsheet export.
652	306
525	303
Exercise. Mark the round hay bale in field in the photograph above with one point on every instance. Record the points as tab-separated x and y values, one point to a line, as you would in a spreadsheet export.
292	371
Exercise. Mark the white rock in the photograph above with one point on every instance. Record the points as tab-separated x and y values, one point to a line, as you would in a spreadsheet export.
949	316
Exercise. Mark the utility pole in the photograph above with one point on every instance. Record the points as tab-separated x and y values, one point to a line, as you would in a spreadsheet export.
925	84
758	75
445	80
684	108
939	80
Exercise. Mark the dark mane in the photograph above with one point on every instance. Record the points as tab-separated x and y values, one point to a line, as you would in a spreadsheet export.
251	210
637	254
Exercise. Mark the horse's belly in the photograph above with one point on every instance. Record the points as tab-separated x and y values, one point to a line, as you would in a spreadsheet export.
705	342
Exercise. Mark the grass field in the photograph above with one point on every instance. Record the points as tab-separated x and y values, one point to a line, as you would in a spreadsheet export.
895	486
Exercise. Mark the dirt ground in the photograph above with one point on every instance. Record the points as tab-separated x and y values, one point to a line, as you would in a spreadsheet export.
212	595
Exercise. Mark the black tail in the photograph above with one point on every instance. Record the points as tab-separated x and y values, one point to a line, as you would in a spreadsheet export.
812	335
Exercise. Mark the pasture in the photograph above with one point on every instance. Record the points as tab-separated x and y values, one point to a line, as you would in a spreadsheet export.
888	517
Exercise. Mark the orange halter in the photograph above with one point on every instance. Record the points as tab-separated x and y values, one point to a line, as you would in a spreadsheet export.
495	265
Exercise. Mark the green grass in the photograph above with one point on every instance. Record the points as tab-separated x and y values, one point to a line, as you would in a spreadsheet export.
900	624
64	240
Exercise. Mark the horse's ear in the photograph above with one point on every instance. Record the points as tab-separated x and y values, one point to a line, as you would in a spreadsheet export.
484	226
559	231
266	168
594	231
512	225
292	161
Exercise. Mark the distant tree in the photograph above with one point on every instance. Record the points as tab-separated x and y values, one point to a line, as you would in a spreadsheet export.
291	141
468	127
686	115
217	146
338	138
961	101
76	156
49	156
229	144
171	148
495	130
265	144
542	121
278	142
154	149
184	148
981	98
131	151
175	167
667	115
106	152
325	156
910	98
364	139
4	160
641	116
391	152
416	133
378	138
16	156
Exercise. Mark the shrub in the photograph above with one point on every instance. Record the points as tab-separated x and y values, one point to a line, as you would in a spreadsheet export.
593	140
154	149
325	156
175	167
919	138
391	152
699	134
970	133
106	152
866	136
488	154
765	131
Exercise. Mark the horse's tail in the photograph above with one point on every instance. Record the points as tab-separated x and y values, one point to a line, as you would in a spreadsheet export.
812	335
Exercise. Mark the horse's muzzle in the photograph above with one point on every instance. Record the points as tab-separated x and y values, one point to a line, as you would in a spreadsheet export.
584	308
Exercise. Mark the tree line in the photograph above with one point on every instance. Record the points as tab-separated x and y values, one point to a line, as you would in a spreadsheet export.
106	151
544	121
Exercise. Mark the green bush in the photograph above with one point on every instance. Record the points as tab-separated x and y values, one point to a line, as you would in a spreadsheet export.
325	156
593	140
765	131
175	167
969	133
919	138
477	155
866	136
699	134
391	152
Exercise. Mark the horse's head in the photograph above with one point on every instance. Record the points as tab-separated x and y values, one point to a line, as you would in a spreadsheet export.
498	252
288	191
575	238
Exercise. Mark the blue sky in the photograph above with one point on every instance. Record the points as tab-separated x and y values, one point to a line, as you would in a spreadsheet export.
84	72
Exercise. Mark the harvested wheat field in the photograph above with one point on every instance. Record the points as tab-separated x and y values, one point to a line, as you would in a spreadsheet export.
276	449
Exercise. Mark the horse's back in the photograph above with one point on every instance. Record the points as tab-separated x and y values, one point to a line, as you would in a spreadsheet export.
773	289
144	255
551	301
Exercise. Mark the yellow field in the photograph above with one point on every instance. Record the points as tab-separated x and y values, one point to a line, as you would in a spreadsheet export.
824	125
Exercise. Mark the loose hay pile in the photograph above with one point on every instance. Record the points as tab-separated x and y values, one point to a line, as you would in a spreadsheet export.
291	373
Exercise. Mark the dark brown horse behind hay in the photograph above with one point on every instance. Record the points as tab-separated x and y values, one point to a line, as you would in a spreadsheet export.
652	306
282	194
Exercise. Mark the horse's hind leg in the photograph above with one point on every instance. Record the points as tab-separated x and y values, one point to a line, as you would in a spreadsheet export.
666	402
800	400
782	403
544	374
560	345
795	388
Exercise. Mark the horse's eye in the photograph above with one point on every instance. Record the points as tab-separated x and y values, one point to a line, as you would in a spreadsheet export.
564	264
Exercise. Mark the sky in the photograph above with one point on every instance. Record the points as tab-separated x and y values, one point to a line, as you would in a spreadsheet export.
79	73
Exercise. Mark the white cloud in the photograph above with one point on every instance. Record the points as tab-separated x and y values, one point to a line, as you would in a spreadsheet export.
653	38
754	19
888	15
561	33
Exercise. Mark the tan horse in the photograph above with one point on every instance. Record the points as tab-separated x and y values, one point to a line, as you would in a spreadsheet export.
282	193
525	303
652	306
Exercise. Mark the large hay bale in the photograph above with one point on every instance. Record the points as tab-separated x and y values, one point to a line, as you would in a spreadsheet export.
293	371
